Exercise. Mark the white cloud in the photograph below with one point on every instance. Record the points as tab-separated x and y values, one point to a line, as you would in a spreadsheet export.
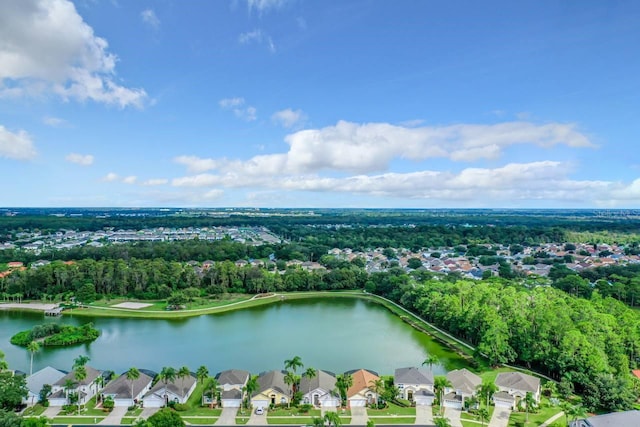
259	37
48	48
289	118
110	177
150	18
237	105
264	5
80	159
54	121
130	179
195	164
155	181
16	145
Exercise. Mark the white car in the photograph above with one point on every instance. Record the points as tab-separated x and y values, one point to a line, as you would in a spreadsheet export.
259	410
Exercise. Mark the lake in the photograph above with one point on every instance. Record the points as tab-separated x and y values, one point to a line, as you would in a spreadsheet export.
331	334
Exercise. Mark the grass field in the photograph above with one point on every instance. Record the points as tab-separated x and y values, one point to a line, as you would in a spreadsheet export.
394	420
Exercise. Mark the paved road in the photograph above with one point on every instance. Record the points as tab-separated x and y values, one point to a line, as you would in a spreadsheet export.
424	415
500	417
227	417
359	416
454	416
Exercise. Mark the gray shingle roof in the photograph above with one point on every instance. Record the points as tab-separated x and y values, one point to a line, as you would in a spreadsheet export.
92	374
272	379
518	381
233	377
234	393
464	380
413	376
44	376
121	386
502	395
323	380
176	386
615	419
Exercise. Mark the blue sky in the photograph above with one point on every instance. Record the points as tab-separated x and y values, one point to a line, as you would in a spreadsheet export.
299	103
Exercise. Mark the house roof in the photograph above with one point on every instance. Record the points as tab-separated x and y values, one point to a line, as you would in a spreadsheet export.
413	376
177	387
92	374
234	393
233	376
271	380
615	419
44	376
121	386
502	395
518	381
464	380
636	373
323	380
362	379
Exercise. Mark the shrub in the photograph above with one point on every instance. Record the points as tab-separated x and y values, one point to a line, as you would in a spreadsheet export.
180	407
305	407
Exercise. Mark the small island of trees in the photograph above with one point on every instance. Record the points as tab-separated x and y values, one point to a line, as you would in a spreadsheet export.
52	334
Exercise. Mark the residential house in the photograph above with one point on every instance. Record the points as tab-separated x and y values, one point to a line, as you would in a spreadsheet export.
232	383
614	419
120	389
464	384
320	390
514	386
37	380
361	392
85	389
415	385
272	390
178	391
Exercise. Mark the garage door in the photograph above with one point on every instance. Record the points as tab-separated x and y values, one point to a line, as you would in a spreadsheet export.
453	404
260	403
231	403
502	403
357	403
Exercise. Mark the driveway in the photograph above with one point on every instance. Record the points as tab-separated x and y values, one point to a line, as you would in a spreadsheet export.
424	415
257	420
147	412
454	416
227	417
52	411
114	416
359	416
325	409
500	417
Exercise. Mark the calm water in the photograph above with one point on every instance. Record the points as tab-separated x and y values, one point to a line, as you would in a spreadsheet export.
335	335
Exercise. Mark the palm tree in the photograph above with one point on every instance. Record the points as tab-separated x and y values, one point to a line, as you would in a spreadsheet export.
483	413
440	383
377	386
290	379
529	403
212	385
574	412
442	422
32	347
293	364
486	390
343	383
3	363
317	422
332	419
132	375
80	361
431	360
167	375
202	374
250	387
80	373
310	373
182	374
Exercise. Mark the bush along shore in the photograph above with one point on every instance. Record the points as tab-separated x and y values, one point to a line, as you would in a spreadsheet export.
52	334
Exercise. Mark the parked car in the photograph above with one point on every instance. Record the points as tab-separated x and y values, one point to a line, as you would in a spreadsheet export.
259	410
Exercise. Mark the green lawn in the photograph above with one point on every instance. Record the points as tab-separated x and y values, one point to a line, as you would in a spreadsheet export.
284	412
472	417
77	420
200	420
290	420
128	420
135	413
393	410
34	411
517	419
195	405
394	420
242	420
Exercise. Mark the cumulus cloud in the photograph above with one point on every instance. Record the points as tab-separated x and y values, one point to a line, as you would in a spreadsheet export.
196	164
264	5
54	121
130	179
110	177
237	105
150	18
80	159
259	37
16	145
289	118
48	48
155	181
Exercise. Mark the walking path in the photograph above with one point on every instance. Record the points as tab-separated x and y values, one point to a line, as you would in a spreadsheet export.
552	419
